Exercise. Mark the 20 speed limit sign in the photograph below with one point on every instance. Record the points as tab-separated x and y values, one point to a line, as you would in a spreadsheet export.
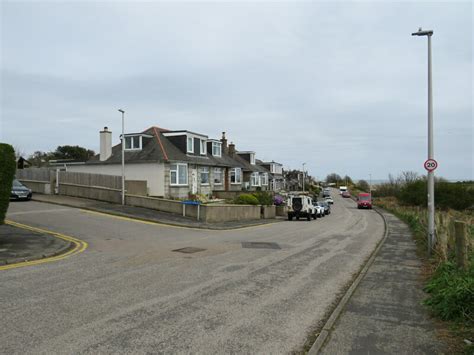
431	165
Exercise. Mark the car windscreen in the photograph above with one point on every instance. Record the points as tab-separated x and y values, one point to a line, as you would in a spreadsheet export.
364	198
16	183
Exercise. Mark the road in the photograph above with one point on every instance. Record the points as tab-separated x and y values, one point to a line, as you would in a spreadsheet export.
129	292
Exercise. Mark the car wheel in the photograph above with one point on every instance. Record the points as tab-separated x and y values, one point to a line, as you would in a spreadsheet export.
308	217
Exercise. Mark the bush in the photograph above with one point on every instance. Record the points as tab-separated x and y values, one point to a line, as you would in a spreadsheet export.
278	200
7	173
246	199
452	293
264	198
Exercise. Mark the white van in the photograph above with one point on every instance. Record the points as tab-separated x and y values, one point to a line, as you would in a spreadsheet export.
342	189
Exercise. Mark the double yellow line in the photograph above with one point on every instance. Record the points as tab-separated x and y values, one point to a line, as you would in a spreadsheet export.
78	247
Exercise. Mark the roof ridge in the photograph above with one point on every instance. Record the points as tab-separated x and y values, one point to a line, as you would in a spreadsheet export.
157	127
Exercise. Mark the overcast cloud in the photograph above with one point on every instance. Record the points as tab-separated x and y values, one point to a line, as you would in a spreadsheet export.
338	85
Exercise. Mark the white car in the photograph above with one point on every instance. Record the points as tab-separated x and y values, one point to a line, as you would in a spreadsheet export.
329	200
319	210
300	206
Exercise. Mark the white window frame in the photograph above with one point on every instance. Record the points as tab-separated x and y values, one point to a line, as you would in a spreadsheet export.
221	174
179	166
264	179
273	168
132	141
217	145
255	180
205	170
252	158
234	171
203	146
190	139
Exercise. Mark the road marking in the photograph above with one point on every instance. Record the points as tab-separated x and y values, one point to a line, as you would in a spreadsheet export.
40	211
79	247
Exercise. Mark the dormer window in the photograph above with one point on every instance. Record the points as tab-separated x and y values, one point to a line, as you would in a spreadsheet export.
133	142
203	147
216	149
252	158
190	145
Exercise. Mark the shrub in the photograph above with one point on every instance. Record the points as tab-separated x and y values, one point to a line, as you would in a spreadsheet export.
246	199
278	200
452	293
7	173
264	198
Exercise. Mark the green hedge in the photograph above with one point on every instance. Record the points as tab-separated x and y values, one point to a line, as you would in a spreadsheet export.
246	199
7	173
264	198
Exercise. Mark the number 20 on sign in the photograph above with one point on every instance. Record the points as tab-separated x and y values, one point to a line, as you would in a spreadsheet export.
431	165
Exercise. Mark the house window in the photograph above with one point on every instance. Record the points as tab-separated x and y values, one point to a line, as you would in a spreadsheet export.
265	179
133	142
255	179
204	176
236	176
216	149
203	147
252	159
217	176
178	174
190	147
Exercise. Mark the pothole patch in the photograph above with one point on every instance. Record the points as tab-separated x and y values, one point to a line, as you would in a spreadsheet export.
189	250
260	245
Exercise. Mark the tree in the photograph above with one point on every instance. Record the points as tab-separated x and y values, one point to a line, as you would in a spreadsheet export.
39	158
347	180
333	178
73	152
7	173
363	185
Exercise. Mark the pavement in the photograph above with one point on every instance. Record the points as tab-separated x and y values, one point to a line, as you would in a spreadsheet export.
145	213
19	245
385	314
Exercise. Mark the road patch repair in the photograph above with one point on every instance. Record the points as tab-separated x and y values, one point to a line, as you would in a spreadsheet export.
260	245
23	245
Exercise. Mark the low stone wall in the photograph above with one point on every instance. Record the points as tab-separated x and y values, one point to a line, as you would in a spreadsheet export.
157	204
281	210
41	187
268	212
91	192
136	187
224	213
207	213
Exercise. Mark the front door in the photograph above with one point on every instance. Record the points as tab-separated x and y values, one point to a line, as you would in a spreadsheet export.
194	181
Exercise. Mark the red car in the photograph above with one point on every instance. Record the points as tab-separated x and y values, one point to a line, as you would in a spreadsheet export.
346	194
364	200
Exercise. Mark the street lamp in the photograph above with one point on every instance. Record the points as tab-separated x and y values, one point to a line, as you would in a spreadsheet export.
303	175
123	155
431	202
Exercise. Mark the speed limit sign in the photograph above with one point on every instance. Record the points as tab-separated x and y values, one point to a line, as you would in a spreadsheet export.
431	165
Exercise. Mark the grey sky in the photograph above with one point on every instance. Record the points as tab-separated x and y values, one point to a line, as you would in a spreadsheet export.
339	85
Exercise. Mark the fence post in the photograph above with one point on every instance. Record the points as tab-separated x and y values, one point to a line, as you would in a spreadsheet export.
442	242
460	232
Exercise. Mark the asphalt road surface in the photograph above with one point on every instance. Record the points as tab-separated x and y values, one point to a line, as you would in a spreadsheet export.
129	292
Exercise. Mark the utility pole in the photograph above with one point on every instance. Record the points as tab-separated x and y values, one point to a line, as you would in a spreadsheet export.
303	175
431	201
123	156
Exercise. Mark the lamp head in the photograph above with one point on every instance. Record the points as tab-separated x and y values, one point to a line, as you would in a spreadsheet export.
422	33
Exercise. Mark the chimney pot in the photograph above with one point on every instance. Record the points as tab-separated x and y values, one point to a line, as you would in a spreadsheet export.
105	144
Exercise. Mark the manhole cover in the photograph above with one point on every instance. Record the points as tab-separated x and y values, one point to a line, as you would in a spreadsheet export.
189	250
260	245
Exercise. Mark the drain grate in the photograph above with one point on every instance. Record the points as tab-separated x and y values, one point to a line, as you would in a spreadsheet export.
189	250
260	245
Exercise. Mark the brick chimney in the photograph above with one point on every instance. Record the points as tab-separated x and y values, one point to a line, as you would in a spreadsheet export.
224	144
231	149
105	144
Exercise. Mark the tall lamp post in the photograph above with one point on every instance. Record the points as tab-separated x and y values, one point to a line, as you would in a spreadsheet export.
303	175
431	202
123	155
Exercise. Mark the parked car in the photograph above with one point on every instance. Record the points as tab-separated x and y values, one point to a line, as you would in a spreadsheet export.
319	210
20	191
364	200
325	205
326	192
300	206
329	200
346	194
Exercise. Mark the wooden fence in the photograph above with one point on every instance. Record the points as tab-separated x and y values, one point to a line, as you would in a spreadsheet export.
35	174
86	179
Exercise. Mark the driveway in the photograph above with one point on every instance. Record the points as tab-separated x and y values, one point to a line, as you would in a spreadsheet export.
129	292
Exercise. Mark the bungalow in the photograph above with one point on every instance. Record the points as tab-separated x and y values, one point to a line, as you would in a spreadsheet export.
277	181
174	163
